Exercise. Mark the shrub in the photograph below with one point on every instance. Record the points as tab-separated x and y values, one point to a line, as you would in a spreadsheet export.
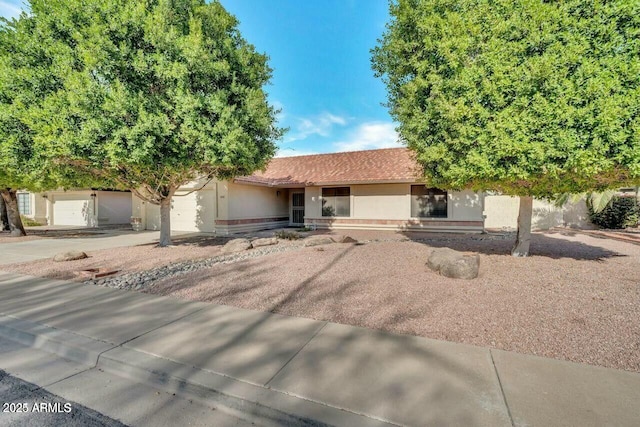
28	222
621	212
287	235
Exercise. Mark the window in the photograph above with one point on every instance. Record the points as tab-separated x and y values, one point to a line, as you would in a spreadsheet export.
336	201
24	203
428	202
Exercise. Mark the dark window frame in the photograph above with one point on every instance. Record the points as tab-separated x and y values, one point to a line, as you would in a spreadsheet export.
337	192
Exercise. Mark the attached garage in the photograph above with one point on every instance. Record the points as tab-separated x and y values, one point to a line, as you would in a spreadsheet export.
88	208
73	209
189	212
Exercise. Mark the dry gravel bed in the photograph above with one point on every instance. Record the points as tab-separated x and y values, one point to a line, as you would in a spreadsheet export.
576	298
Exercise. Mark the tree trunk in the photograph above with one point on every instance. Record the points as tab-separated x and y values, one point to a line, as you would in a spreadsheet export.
11	203
4	218
165	222
523	239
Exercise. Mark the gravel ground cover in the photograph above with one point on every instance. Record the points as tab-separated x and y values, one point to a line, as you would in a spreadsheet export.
576	298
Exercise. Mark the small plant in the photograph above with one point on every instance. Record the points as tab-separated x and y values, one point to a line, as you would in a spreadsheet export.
304	229
28	222
621	212
328	211
287	235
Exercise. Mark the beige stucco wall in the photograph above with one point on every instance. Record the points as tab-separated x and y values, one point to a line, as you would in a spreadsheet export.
392	202
244	208
38	207
502	212
250	201
193	208
220	206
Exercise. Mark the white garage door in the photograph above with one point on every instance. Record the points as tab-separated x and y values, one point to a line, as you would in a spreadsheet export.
193	212
72	210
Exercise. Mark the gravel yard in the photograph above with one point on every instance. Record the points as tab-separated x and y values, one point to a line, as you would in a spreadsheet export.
576	298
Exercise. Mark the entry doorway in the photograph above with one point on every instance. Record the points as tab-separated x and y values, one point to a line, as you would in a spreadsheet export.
296	217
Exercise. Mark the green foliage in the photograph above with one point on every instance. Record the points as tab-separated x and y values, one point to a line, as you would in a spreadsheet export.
287	235
621	212
27	162
147	95
28	222
524	97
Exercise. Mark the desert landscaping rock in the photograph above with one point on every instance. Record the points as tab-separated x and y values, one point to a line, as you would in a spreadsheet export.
462	268
69	256
265	241
236	245
318	240
454	264
142	280
440	256
341	238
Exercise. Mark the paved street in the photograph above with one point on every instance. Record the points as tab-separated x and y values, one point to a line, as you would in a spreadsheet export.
32	250
24	404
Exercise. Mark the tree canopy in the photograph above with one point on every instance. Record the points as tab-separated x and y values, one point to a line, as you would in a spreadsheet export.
149	95
26	77
526	97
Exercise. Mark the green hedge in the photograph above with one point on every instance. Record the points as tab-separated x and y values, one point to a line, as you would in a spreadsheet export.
621	212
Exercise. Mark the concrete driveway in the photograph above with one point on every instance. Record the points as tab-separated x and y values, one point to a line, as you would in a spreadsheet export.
47	247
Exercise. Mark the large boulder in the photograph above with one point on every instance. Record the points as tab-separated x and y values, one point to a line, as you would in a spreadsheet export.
454	264
236	245
69	256
317	240
341	238
265	241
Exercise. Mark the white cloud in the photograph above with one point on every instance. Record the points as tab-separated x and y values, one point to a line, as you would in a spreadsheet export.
321	124
370	136
9	9
291	152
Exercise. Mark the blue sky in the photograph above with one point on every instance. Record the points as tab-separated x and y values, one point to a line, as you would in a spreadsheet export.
322	79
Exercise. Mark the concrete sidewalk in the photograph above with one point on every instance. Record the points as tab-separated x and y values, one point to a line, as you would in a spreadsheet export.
32	250
284	370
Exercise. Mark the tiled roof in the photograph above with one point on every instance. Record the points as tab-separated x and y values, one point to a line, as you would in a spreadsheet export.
385	165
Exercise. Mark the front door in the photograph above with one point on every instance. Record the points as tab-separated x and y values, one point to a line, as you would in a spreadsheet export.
297	209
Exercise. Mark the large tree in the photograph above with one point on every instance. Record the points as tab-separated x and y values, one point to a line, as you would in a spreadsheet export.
23	76
153	94
526	97
27	76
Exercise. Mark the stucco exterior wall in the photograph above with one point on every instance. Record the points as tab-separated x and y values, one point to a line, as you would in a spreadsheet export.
502	212
388	206
193	208
243	208
38	207
250	201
